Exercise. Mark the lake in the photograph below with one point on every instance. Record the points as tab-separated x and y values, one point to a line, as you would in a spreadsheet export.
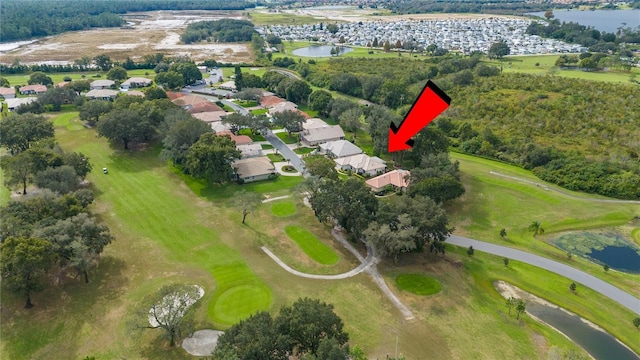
603	20
319	51
604	247
599	344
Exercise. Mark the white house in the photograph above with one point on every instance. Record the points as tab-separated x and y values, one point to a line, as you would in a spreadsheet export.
135	82
315	136
362	164
340	148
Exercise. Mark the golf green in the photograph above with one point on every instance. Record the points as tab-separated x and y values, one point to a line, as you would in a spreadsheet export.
282	209
240	302
311	246
418	284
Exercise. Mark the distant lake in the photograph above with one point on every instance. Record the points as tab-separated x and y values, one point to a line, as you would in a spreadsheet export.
319	51
603	20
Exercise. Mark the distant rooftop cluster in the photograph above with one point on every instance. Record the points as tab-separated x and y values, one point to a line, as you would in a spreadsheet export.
464	35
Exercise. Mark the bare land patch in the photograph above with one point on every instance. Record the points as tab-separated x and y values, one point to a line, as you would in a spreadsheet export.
145	33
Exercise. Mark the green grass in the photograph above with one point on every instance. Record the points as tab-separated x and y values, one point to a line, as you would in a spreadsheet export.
23	79
527	64
252	135
493	202
266	146
283	208
362	52
276	157
286	138
307	109
246	103
418	284
303	150
311	246
259	111
68	120
262	18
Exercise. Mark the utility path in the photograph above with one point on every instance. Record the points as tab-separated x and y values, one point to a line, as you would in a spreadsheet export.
621	297
541	185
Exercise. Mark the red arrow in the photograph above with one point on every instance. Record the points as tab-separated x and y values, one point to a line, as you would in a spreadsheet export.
431	102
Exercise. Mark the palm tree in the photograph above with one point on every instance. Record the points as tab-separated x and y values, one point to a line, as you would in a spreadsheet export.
536	229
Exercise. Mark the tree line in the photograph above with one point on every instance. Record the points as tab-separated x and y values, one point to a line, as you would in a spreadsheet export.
53	228
478	7
28	19
223	30
587	36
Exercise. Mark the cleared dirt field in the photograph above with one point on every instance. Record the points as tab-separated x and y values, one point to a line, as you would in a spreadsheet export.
145	33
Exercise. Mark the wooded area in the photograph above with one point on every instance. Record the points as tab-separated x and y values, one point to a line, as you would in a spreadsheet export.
28	19
224	30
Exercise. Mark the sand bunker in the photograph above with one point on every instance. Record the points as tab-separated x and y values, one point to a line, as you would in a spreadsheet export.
161	313
201	342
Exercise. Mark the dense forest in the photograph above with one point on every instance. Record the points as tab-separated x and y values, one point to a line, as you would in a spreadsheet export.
29	18
545	123
224	30
585	35
493	7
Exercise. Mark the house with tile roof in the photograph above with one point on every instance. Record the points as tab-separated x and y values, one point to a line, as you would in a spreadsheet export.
254	169
362	164
315	136
339	148
33	89
271	101
102	94
203	107
135	82
238	139
397	179
101	84
7	92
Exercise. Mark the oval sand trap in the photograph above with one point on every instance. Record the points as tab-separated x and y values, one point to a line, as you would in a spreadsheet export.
201	342
240	302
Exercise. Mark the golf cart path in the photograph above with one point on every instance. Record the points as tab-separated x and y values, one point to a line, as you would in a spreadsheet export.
367	265
621	297
543	186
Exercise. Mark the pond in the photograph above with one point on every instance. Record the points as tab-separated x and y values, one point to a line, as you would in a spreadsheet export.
320	51
603	247
596	342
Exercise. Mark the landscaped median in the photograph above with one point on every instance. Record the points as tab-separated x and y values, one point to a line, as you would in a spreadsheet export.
311	246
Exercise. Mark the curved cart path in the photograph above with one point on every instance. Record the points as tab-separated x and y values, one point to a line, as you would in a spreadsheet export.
621	297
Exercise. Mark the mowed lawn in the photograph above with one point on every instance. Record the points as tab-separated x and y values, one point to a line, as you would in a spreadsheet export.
311	246
527	64
493	202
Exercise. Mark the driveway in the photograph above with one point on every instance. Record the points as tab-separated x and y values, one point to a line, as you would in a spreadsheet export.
621	297
294	158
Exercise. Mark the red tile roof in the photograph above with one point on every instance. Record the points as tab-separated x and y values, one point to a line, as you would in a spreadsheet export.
271	101
204	107
239	139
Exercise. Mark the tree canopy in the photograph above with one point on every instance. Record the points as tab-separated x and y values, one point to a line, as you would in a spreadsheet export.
210	158
19	131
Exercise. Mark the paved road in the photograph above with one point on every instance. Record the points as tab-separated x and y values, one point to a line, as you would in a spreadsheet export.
287	73
294	158
621	297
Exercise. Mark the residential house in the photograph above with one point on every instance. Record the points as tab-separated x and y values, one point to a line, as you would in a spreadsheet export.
270	101
188	101
210	116
101	84
397	179
254	169
228	85
203	107
135	82
238	139
362	164
174	95
315	136
102	94
283	106
33	89
340	148
250	150
314	123
7	92
12	104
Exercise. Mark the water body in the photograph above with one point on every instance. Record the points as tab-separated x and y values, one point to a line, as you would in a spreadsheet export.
599	344
603	20
625	258
605	247
320	51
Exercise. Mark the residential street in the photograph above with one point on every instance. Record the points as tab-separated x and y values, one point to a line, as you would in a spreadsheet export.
581	278
294	159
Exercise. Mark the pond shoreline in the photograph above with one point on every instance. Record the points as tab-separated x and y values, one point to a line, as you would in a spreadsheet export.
507	290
